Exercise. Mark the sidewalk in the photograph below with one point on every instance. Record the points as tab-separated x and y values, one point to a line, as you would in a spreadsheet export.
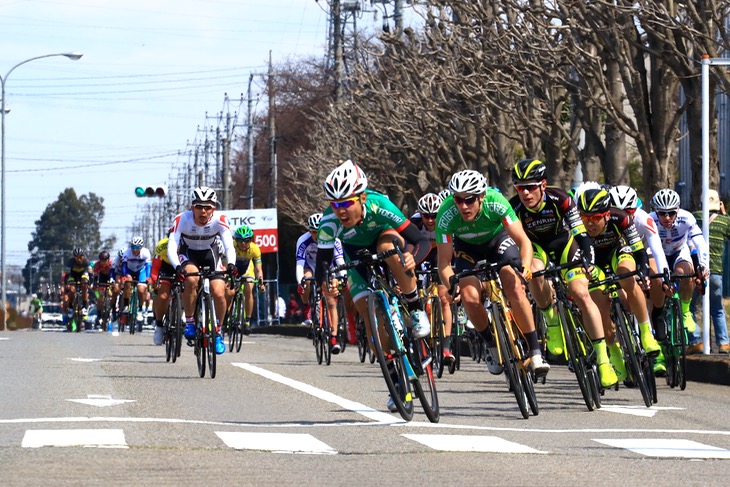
713	369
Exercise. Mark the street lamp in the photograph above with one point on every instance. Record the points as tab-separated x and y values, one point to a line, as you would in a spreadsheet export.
74	56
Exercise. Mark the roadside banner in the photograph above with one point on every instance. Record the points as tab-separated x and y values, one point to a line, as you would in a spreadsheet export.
264	224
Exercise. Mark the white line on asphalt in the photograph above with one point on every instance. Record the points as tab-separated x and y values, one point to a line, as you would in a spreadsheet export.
275	442
488	444
81	359
667	448
637	410
99	438
353	406
101	401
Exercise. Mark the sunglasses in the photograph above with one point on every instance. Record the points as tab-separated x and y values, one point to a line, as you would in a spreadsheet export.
594	218
465	201
430	216
670	214
527	187
345	203
203	207
244	240
136	247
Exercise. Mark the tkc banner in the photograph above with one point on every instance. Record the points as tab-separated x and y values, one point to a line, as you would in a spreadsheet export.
264	225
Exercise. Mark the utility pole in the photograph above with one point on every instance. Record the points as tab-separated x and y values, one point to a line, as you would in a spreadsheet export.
272	139
226	143
338	41
398	17
249	141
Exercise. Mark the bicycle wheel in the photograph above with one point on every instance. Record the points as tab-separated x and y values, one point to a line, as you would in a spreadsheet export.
540	328
437	334
326	332
632	352
341	323
175	318
169	344
575	356
132	312
456	340
231	324
425	385
211	335
362	340
200	344
681	348
509	361
240	322
399	386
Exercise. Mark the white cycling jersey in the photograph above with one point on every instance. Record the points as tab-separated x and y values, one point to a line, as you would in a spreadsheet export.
307	254
683	232
136	263
186	234
647	228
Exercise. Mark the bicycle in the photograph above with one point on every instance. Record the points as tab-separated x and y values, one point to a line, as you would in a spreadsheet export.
428	289
675	336
639	366
459	334
236	316
103	312
173	321
579	350
206	330
363	347
129	317
76	319
411	358
512	350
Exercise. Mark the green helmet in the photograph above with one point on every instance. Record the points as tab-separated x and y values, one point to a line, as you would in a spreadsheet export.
243	232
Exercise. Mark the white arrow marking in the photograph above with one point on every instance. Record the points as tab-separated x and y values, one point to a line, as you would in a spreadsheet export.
80	359
667	447
637	410
488	444
100	401
101	438
276	442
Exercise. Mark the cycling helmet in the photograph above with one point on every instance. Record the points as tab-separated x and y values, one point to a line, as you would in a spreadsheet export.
444	193
78	252
137	241
344	182
120	253
468	181
204	194
33	296
665	199
528	169
594	200
243	232
623	197
313	221
103	255
429	203
584	186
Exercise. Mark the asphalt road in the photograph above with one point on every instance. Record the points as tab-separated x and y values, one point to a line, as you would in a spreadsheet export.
97	409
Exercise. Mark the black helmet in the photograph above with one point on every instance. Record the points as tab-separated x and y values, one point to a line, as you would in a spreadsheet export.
77	252
103	255
528	169
593	201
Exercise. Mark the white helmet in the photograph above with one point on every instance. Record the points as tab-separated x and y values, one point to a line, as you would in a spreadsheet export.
313	221
468	181
444	193
203	194
665	199
623	197
137	241
34	296
584	186
345	181
429	203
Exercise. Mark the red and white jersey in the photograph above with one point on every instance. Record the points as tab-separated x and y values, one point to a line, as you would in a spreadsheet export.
647	228
188	234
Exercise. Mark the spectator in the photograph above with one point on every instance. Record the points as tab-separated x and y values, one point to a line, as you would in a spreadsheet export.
719	232
294	311
280	309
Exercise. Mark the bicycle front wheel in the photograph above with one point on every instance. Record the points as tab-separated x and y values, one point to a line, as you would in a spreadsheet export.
324	315
362	340
200	343
437	334
133	312
398	384
631	354
425	385
575	356
509	361
211	334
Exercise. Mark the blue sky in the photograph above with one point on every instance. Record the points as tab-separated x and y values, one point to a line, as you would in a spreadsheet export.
119	116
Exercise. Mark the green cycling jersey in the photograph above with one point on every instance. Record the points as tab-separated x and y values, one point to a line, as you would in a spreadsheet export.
380	214
494	215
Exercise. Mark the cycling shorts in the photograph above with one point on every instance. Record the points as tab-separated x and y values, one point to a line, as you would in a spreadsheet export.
570	253
209	258
681	256
500	250
74	277
140	276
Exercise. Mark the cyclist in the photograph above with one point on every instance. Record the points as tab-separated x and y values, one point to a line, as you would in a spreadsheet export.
248	264
194	243
35	309
677	230
77	271
161	275
558	235
619	250
305	263
475	223
102	279
367	220
625	198
116	276
425	220
136	264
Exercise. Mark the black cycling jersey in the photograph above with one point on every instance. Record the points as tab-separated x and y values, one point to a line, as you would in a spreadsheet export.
620	231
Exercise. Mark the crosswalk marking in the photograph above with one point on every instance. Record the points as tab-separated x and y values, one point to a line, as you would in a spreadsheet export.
490	444
275	442
97	438
667	447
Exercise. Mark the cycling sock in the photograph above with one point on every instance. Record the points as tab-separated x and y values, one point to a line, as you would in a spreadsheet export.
685	306
645	327
533	342
550	317
190	320
412	299
601	352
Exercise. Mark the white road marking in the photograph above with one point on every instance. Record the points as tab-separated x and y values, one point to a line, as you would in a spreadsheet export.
667	447
353	406
4	338
487	444
276	442
97	438
101	400
646	412
80	359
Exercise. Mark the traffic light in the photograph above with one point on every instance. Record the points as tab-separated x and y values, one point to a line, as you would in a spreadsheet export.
150	191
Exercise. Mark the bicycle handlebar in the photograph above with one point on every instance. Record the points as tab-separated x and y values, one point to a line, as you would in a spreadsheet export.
613	279
555	269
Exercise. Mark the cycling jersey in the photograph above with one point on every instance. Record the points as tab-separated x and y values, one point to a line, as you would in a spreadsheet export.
682	232
161	250
161	263
77	271
494	215
199	243
253	252
647	228
429	234
619	235
306	257
137	266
